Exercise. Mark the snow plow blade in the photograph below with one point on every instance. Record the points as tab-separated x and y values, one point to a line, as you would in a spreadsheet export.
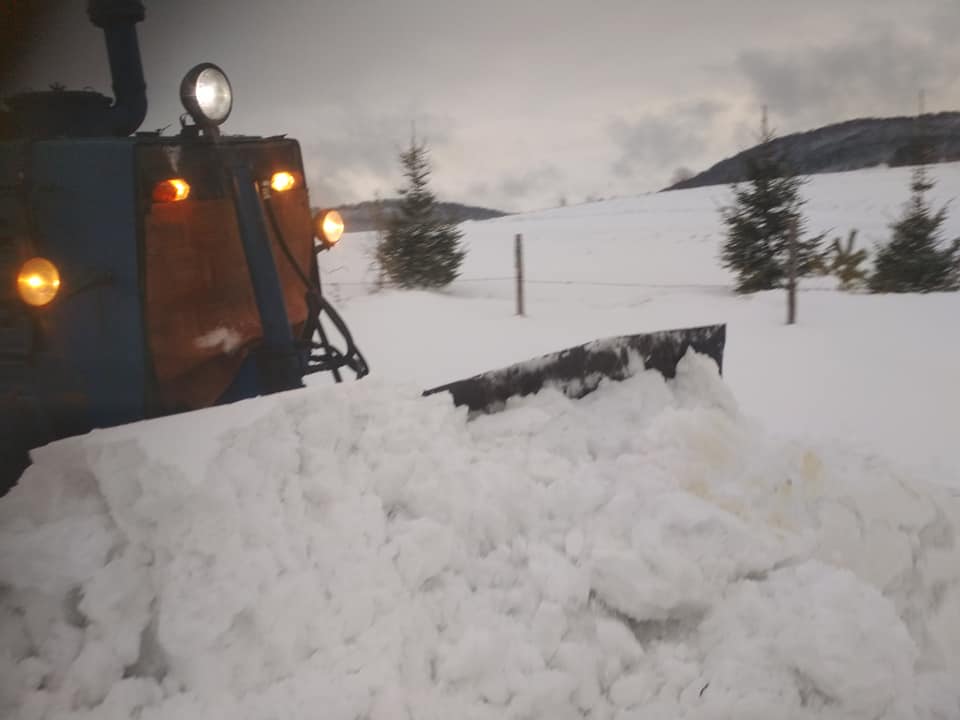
579	370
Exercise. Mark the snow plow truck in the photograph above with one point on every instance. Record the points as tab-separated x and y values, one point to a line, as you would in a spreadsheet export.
146	274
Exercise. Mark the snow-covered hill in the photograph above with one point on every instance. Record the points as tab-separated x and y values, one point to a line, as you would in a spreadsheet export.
882	372
779	542
669	238
848	145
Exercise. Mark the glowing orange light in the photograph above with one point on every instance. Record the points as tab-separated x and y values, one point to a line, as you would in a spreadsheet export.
38	282
172	190
331	227
282	181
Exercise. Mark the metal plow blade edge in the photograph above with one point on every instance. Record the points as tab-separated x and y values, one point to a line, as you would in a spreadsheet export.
579	370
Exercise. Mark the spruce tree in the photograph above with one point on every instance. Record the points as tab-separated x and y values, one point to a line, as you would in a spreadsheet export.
419	249
917	259
758	223
847	264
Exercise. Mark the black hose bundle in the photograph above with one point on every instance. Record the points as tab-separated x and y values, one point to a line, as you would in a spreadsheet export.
324	356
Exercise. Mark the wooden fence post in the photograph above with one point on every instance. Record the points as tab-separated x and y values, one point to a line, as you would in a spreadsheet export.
792	275
518	264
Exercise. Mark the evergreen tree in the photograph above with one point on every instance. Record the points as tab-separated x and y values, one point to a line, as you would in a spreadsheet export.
847	263
379	218
759	220
916	259
419	248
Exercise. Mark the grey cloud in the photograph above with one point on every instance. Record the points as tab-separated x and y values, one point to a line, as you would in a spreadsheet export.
879	71
478	190
945	23
521	186
352	156
347	77
665	139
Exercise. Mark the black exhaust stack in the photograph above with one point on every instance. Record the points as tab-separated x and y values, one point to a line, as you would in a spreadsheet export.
118	19
84	113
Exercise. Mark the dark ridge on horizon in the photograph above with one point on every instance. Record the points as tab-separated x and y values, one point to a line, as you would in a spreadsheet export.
363	216
850	145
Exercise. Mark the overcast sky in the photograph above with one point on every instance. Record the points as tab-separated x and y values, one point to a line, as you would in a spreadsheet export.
524	102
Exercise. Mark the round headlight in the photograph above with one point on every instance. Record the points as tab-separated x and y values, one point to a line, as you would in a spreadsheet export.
206	94
38	282
328	227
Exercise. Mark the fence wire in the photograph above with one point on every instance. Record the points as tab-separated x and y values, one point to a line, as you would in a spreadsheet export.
595	283
575	283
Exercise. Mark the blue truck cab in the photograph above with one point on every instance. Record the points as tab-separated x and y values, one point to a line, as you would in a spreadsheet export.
143	274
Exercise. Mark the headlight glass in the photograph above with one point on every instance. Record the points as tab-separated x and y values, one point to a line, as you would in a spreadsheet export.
206	94
38	282
214	95
329	227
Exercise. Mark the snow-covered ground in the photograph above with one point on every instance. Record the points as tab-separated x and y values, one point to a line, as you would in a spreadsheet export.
882	372
781	542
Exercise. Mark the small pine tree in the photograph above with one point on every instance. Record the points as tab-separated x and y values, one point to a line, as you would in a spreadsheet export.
419	249
847	264
758	224
916	258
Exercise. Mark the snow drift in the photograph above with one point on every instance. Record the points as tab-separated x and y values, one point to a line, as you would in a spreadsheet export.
878	371
360	552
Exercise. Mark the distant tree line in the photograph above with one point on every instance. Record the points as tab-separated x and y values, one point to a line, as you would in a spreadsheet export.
372	214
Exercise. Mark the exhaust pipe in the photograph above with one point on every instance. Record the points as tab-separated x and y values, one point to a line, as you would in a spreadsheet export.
85	113
118	19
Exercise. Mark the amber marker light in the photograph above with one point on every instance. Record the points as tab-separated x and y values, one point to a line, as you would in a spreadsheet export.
38	282
172	190
282	181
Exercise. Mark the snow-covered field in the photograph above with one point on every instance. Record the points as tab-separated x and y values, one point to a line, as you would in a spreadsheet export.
781	542
882	372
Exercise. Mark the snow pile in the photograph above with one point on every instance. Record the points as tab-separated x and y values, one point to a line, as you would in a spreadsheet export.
879	371
360	552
